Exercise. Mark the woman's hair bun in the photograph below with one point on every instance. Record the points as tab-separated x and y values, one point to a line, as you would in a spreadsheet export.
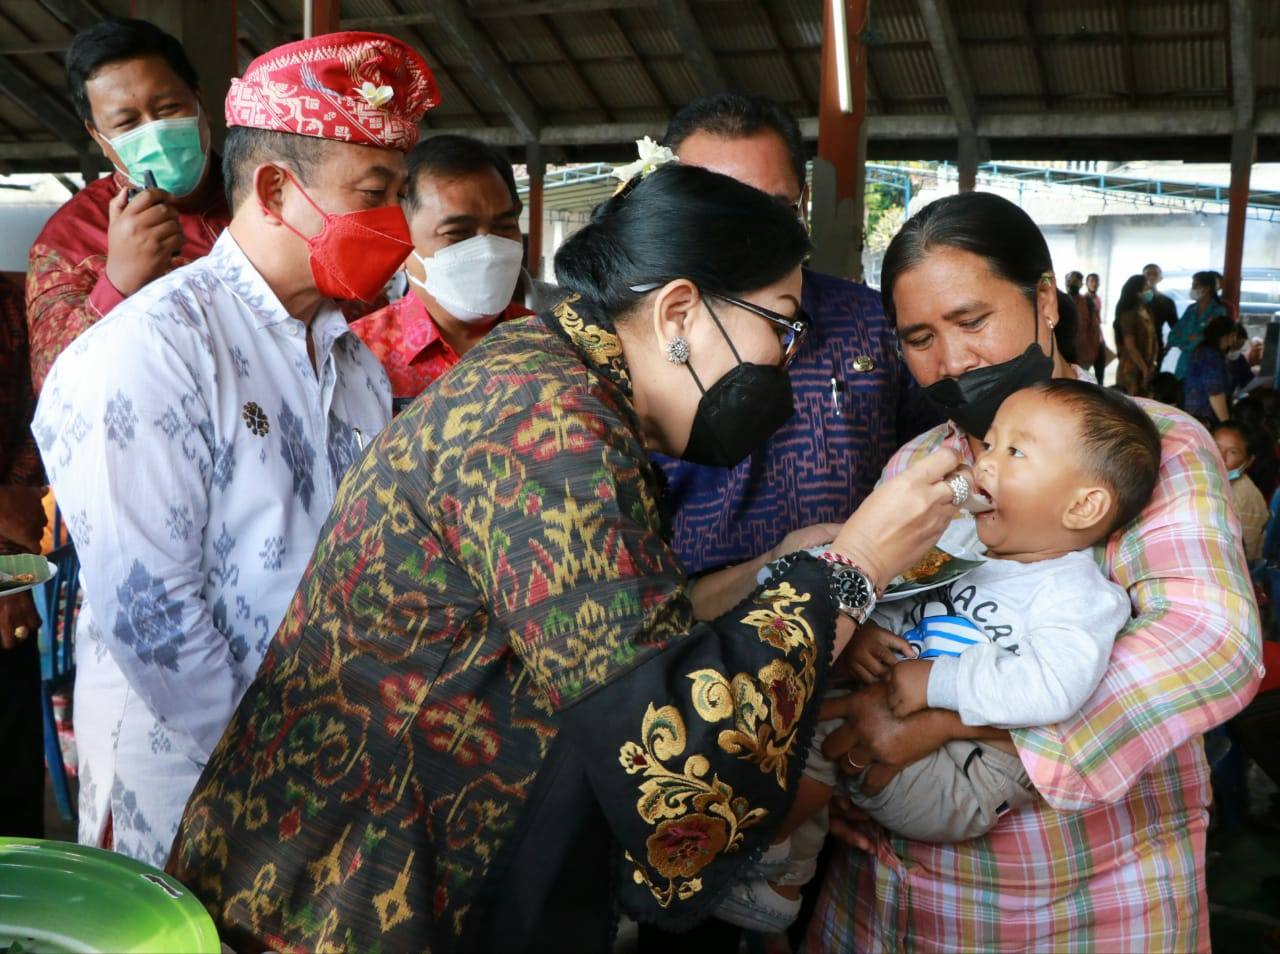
681	222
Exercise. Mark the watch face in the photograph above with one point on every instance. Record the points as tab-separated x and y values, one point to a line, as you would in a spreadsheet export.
854	590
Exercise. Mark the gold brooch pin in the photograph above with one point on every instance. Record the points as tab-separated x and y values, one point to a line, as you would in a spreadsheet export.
862	363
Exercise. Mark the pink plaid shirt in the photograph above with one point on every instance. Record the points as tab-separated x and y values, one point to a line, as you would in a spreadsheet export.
1113	858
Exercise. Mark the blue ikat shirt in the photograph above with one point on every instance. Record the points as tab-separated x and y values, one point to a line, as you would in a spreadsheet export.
827	458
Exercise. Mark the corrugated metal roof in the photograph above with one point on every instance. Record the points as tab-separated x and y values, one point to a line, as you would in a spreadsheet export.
896	21
908	73
1000	69
586	63
1089	69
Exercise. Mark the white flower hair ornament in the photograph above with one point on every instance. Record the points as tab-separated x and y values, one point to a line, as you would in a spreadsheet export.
375	96
652	155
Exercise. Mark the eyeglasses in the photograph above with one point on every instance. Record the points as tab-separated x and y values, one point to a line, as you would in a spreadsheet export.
794	329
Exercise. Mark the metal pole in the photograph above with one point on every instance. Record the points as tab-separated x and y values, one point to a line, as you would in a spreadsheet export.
1243	148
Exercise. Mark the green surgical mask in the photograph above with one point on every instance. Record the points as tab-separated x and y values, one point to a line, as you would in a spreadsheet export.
167	148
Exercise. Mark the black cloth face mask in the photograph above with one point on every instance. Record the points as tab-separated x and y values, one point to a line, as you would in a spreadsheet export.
739	412
972	399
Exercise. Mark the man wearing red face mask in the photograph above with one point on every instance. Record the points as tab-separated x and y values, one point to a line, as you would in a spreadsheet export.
196	436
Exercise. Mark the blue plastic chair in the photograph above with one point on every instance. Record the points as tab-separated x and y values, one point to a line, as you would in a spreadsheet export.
56	603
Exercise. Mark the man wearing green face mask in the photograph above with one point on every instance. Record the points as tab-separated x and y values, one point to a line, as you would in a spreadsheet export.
139	97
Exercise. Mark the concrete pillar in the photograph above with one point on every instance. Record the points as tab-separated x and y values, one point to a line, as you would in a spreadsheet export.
537	167
1244	147
839	173
207	31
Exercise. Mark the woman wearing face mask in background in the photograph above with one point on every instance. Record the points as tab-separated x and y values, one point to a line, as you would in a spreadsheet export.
1137	338
1188	332
1112	858
502	650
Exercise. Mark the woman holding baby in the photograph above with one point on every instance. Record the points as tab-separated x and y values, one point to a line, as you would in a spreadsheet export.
1109	853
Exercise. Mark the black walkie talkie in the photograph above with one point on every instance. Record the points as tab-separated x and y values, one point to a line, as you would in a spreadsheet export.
148	182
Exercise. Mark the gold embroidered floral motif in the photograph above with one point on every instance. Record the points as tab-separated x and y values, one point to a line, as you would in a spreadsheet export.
765	710
599	344
776	626
696	819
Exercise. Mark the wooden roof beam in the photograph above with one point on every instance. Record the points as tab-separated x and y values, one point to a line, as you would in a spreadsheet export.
503	9
1126	51
678	15
43	107
634	54
76	14
489	67
940	28
260	31
875	89
788	56
1033	41
1118	124
1243	85
438	69
592	93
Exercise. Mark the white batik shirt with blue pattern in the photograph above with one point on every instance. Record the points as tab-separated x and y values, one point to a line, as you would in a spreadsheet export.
195	452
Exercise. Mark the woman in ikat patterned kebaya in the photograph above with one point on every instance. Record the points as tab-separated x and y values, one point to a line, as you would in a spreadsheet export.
497	711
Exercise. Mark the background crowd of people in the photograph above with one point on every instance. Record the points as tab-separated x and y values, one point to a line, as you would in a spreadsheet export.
427	604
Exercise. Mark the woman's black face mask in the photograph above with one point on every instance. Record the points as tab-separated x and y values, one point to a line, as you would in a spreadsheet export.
738	413
972	399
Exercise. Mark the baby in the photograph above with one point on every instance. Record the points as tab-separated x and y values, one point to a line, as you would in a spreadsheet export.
1023	640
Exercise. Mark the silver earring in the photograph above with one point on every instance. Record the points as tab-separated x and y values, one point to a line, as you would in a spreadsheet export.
677	350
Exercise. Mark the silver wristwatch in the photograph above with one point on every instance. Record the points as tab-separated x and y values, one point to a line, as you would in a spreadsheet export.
854	594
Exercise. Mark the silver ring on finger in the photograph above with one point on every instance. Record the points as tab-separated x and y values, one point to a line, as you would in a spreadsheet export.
960	488
858	766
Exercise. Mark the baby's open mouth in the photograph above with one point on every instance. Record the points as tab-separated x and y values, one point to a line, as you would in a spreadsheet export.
979	500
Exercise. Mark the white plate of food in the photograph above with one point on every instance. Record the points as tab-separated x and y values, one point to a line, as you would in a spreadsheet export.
935	568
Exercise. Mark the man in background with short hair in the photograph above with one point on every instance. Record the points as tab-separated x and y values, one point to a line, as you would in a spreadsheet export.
195	438
464	218
851	388
1089	349
1161	306
139	97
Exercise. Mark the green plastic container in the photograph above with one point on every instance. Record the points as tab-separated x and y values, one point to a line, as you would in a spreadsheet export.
56	898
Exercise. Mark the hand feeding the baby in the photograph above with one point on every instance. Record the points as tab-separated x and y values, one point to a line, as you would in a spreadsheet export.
967	495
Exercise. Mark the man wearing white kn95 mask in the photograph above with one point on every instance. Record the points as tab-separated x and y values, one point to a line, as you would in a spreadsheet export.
464	220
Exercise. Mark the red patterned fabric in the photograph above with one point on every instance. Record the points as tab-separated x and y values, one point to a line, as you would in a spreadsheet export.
408	342
363	88
67	285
